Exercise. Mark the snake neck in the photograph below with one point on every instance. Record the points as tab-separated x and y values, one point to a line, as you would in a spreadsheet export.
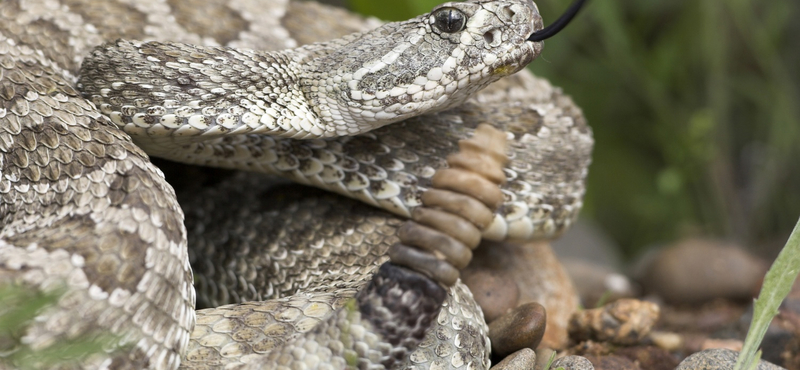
392	73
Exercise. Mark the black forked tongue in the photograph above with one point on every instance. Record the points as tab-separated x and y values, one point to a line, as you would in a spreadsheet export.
559	24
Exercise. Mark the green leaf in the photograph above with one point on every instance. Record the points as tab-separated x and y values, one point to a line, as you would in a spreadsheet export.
777	285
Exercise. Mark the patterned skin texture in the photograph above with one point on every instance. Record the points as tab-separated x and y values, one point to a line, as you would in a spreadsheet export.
82	206
342	87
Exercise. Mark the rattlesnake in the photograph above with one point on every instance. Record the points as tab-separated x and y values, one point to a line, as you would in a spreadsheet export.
83	206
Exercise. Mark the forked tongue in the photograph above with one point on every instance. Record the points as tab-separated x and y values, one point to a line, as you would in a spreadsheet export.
559	24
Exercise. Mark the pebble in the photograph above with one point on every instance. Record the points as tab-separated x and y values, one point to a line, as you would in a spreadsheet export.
522	327
524	359
572	363
495	291
540	277
667	340
623	322
698	270
718	359
596	283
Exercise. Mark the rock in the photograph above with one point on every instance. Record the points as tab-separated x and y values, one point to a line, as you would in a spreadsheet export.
495	291
624	322
648	357
611	363
718	359
572	363
524	359
522	327
596	282
668	341
697	270
540	277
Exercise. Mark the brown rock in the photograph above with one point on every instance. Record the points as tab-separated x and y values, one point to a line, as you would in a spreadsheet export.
697	270
541	278
523	327
524	359
624	322
495	291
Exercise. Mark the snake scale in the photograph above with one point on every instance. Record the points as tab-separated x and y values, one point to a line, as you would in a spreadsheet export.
379	107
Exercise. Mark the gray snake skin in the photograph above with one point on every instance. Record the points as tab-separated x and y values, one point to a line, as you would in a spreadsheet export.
82	206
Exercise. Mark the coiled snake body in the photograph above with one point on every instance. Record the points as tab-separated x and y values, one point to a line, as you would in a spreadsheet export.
82	205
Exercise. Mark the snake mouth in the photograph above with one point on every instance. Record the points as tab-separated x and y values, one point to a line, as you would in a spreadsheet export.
559	24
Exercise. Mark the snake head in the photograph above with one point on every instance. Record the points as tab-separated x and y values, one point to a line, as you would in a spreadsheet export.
346	86
491	39
426	64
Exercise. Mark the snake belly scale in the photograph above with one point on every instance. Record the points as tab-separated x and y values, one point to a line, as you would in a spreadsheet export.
82	205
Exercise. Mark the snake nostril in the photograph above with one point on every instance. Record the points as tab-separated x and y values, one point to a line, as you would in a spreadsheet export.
492	38
488	37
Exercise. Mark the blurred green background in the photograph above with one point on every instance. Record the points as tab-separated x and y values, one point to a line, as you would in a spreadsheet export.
695	106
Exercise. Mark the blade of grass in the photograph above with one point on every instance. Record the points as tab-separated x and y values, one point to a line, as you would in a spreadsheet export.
777	284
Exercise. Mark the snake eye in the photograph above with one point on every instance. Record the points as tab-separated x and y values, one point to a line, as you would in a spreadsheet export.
449	20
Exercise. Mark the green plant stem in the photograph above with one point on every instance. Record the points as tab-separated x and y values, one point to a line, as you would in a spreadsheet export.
777	285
